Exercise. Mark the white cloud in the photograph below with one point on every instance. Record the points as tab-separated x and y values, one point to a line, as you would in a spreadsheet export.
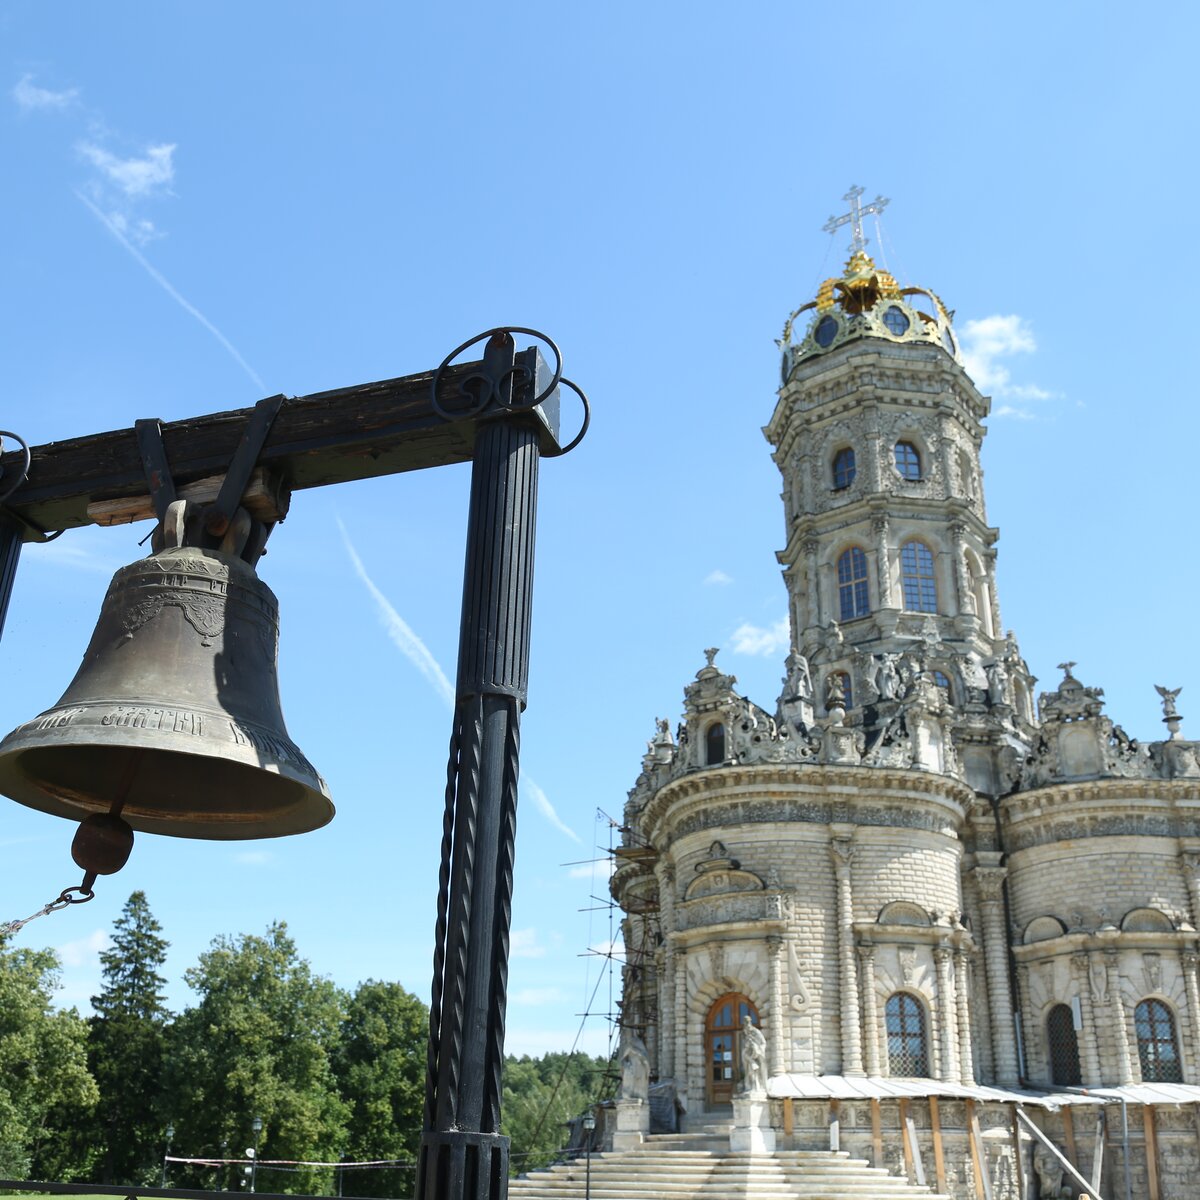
538	1040
253	858
717	577
609	949
984	344
534	997
154	171
754	639
62	553
30	97
602	868
523	943
84	951
543	805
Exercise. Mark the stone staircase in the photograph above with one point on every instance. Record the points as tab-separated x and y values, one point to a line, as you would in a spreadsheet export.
699	1166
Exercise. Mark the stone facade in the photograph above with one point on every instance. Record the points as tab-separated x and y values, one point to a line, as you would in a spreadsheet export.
906	867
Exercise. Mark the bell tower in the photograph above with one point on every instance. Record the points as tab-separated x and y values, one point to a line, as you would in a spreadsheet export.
889	561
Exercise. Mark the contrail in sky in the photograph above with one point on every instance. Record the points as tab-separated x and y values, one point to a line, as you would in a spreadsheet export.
187	307
415	650
399	630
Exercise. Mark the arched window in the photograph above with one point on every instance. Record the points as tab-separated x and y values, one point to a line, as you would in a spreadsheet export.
1063	1046
843	468
908	461
721	1044
916	574
852	584
714	744
942	682
1158	1051
908	1052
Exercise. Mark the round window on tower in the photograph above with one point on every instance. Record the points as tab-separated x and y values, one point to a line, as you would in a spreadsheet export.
896	321
825	332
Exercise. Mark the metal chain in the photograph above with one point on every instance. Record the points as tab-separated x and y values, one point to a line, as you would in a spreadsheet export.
63	900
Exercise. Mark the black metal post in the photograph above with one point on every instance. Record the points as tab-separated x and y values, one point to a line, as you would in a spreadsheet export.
10	555
463	1155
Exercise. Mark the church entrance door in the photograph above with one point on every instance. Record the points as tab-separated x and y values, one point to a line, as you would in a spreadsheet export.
722	1044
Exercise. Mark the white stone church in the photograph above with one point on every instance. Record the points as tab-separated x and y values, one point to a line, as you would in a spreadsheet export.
963	917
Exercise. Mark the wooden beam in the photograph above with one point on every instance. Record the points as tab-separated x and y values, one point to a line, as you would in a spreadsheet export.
1098	1151
265	499
904	1142
983	1182
912	1154
789	1117
876	1133
1022	1181
350	433
1151	1152
939	1161
1069	1135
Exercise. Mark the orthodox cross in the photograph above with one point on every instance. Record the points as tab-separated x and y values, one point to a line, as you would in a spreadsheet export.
854	217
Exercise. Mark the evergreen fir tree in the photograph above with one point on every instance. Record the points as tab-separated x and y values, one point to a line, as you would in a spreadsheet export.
125	1045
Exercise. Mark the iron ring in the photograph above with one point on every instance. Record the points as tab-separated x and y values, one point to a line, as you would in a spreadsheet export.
24	473
587	420
437	375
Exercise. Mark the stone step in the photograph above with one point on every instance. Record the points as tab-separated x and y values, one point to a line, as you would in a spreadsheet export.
658	1172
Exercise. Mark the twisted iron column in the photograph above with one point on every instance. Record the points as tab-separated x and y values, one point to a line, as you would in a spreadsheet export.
463	1155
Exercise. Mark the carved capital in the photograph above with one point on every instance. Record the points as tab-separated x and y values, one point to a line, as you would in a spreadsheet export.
841	850
774	945
1079	964
1191	863
1191	960
810	546
990	881
880	525
866	954
943	955
958	530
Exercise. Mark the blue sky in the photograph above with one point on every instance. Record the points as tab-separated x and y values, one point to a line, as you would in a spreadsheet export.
205	204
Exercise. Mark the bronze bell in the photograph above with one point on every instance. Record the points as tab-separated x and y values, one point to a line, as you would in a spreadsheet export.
173	719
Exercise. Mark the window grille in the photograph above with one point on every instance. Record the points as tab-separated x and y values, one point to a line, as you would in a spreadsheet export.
916	574
908	461
843	468
1064	1047
853	600
1158	1051
908	1051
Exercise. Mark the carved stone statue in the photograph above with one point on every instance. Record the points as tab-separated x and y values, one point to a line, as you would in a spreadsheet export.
835	693
754	1059
1168	699
887	677
635	1067
997	680
1049	1174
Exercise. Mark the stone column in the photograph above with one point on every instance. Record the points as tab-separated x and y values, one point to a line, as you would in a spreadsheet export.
943	956
962	575
1089	1051
812	581
777	1027
842	851
990	882
666	986
1117	1010
962	987
1191	876
681	1023
1191	960
883	567
993	598
870	1005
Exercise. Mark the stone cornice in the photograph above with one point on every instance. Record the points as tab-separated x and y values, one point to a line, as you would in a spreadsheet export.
1113	807
805	793
1081	941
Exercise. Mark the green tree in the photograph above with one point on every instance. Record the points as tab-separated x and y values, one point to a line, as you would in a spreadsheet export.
380	1068
43	1069
125	1048
258	1044
541	1095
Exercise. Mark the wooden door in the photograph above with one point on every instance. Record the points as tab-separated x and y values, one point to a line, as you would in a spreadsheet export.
722	1044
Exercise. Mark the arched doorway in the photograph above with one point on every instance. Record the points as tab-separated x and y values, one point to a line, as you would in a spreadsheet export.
722	1038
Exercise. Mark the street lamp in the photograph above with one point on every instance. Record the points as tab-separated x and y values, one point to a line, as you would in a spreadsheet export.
589	1126
252	1153
167	1152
